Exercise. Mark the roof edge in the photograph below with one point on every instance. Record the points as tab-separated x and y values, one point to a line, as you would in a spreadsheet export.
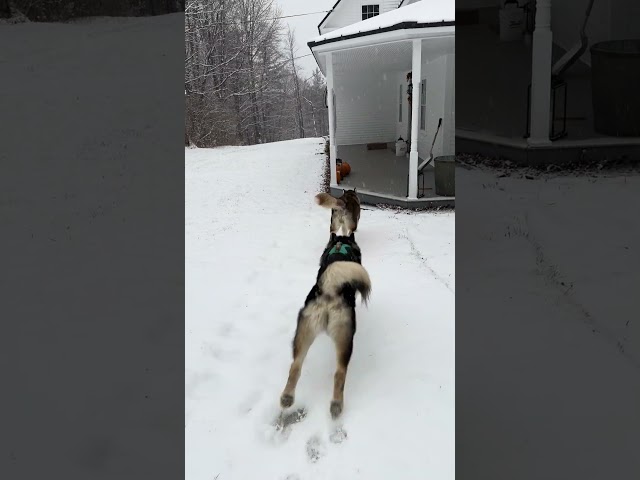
397	26
327	16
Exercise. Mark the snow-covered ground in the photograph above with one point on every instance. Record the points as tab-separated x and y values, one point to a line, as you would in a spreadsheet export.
253	240
547	334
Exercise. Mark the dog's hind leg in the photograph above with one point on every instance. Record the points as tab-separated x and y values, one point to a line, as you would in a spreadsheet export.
341	331
305	335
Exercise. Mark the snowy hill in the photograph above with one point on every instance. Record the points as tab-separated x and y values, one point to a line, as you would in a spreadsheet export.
253	239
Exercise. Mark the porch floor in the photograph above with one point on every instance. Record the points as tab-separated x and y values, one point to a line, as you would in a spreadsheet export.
380	171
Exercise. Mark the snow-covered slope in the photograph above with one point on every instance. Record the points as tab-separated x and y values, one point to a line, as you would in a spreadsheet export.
253	239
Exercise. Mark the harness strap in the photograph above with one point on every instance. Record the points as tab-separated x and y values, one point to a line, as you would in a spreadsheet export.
340	248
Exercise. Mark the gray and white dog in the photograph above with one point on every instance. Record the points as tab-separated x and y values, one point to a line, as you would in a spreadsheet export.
330	307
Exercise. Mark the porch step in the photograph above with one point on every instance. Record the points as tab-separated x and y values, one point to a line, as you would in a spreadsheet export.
377	199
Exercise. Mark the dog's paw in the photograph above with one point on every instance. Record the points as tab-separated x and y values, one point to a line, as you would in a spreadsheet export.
336	408
286	400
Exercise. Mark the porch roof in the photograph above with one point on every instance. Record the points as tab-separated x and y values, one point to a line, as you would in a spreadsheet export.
384	58
391	27
423	14
392	43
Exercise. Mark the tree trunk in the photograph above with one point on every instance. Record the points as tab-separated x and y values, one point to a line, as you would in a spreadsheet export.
5	9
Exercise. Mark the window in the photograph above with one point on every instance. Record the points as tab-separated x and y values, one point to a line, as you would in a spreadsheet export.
369	11
423	105
400	105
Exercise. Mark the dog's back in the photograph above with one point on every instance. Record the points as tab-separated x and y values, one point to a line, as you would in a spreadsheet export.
345	211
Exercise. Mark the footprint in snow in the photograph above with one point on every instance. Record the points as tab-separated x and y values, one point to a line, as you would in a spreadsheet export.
315	449
280	428
286	419
219	353
226	329
249	402
339	435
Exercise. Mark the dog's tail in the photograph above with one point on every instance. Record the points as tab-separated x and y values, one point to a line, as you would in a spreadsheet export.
339	274
327	201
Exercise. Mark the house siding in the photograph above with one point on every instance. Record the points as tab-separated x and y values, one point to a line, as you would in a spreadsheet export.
366	111
436	73
402	127
348	12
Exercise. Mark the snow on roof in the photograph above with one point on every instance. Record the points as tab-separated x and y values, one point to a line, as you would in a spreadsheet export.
425	11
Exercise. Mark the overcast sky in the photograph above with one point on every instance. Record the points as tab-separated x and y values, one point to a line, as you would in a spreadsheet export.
306	27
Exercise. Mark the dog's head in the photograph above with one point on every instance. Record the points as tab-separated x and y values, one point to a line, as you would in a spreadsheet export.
350	194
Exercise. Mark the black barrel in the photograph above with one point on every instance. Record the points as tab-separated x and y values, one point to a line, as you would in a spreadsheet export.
445	175
615	87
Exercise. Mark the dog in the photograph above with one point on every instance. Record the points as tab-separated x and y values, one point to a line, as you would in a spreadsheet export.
330	307
345	211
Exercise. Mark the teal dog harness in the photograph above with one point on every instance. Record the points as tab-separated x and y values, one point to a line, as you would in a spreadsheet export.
341	249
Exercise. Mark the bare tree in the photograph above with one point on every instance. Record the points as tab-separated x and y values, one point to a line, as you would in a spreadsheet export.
5	9
291	42
242	84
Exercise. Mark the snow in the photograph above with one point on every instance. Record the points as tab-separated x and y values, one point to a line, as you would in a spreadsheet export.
425	11
547	335
253	240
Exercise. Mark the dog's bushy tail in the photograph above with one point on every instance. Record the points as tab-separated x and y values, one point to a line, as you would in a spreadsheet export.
339	274
327	201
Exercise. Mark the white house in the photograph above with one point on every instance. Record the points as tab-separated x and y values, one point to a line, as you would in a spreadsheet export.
366	49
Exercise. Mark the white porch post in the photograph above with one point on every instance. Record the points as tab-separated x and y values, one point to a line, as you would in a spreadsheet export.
333	151
541	75
449	120
416	73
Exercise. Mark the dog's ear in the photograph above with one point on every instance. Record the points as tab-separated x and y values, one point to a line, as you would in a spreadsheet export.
333	236
352	237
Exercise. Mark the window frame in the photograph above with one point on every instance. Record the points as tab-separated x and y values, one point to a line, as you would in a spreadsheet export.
423	104
370	11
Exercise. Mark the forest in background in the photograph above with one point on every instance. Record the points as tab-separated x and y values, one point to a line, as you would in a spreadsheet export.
242	83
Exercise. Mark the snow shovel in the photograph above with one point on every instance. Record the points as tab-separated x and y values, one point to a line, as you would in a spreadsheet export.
430	157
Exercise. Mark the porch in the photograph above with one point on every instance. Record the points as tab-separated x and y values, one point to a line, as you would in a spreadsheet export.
492	83
382	178
369	67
